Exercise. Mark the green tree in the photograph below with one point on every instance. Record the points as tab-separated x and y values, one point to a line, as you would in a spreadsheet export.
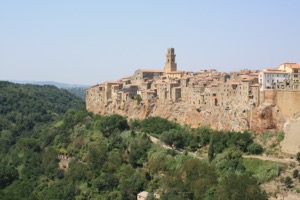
255	148
7	175
298	157
138	98
138	150
108	124
157	125
236	187
229	160
174	138
288	182
204	134
97	155
296	173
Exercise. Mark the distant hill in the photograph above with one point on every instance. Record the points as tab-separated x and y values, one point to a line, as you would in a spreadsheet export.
57	84
76	89
22	107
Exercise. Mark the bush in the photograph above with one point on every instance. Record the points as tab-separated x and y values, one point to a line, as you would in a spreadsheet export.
157	125
262	170
295	173
298	156
288	182
280	136
108	124
255	148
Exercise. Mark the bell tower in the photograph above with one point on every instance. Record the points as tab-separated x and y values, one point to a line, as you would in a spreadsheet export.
170	65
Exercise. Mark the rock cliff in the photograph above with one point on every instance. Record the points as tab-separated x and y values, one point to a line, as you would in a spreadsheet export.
234	116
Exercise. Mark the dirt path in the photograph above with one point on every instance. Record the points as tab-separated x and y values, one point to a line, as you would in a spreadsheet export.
280	160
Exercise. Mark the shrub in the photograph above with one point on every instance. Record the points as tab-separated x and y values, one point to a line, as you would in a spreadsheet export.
298	156
295	173
157	125
255	148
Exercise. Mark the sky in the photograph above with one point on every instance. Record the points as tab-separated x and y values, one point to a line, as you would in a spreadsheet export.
89	42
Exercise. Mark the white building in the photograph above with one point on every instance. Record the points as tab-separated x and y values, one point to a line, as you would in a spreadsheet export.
268	78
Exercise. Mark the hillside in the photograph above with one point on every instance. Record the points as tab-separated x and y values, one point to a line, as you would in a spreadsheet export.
78	90
23	107
56	84
50	149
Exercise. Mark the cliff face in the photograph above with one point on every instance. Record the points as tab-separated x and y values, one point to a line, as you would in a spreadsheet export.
234	116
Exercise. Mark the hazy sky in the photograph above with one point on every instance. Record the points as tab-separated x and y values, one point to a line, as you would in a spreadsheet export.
89	42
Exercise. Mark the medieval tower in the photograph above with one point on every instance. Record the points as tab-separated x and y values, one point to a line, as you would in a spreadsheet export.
170	65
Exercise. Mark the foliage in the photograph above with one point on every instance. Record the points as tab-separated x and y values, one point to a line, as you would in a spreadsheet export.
296	173
78	91
107	158
173	137
221	140
156	125
280	136
236	187
298	157
255	148
265	136
138	98
203	134
23	107
108	124
229	161
262	170
288	182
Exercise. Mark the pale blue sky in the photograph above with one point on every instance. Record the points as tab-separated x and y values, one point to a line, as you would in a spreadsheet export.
89	42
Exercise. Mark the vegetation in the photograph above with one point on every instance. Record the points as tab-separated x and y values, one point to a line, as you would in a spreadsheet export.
78	91
298	157
263	171
111	159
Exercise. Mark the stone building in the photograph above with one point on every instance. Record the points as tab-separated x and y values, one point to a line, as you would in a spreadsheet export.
268	78
206	88
170	65
293	69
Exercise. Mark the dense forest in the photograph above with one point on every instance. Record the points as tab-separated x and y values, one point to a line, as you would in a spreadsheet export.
52	148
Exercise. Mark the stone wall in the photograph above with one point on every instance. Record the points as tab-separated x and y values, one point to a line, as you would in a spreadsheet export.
288	102
274	110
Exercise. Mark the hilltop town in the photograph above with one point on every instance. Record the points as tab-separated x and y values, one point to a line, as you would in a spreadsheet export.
259	100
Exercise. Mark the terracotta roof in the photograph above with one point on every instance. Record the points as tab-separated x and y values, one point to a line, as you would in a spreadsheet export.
296	66
248	79
292	65
151	91
234	83
209	79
